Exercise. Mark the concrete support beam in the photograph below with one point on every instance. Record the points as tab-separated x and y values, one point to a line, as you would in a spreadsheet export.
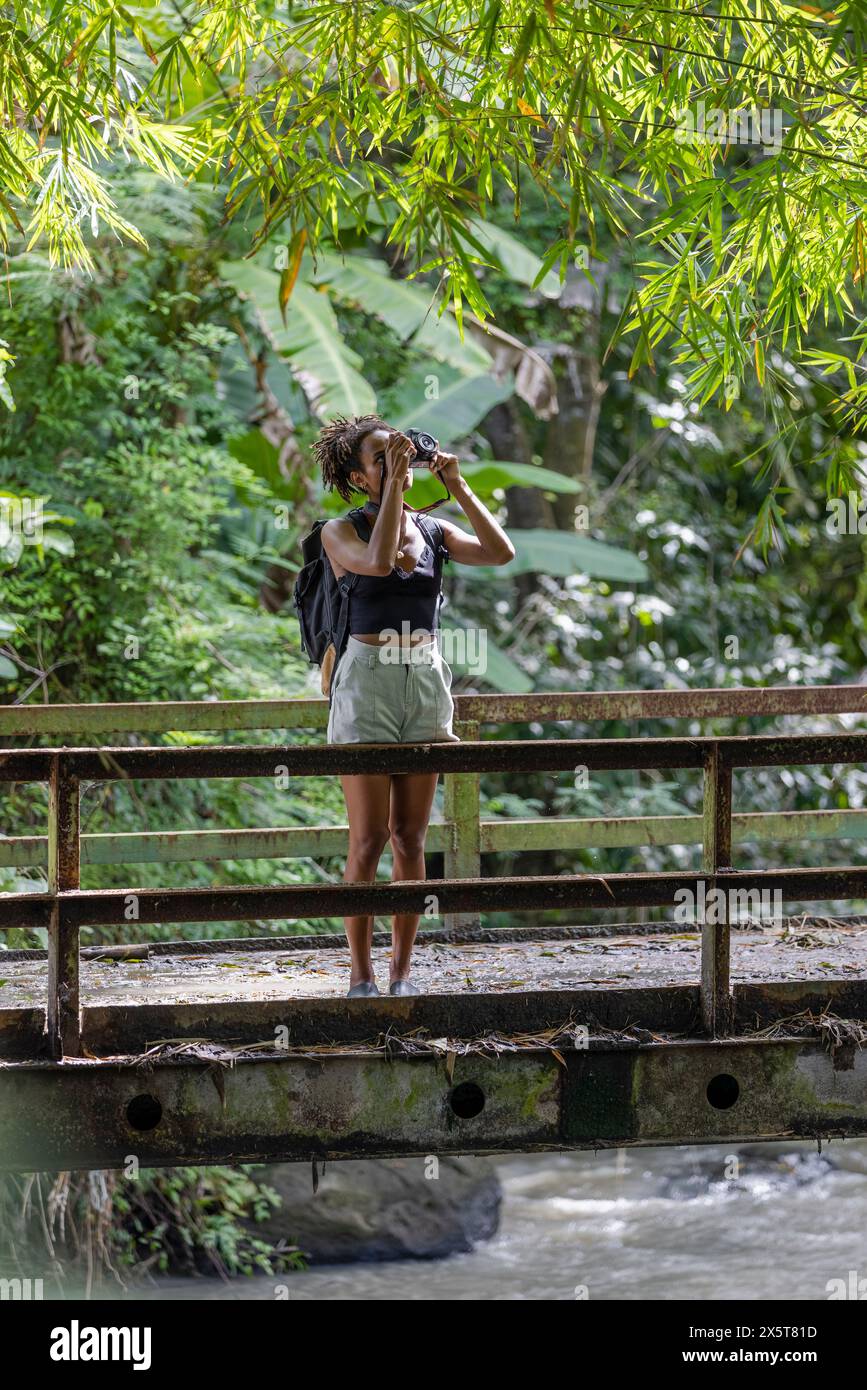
98	1114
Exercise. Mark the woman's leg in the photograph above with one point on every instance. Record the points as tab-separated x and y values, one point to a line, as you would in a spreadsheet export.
412	796
367	803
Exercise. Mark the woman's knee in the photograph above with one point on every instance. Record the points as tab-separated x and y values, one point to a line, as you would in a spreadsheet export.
407	841
367	845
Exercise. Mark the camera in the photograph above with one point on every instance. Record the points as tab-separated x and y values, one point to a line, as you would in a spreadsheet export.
425	445
426	449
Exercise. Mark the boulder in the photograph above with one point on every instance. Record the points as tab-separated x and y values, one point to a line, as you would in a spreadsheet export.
382	1209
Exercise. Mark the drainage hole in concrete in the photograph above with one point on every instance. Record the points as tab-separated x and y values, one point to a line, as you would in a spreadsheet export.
144	1112
722	1091
467	1100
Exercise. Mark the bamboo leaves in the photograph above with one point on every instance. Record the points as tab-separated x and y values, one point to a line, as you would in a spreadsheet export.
733	144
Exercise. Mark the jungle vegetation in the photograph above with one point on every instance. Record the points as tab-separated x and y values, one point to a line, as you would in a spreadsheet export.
495	219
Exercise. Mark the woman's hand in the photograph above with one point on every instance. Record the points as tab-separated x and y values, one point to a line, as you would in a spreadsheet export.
448	468
399	454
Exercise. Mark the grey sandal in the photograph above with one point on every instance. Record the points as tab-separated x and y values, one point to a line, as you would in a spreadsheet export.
403	987
365	989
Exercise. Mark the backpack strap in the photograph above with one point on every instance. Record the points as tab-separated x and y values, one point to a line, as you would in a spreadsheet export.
433	533
361	523
345	584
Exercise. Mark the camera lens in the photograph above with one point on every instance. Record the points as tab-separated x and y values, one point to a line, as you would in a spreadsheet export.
425	445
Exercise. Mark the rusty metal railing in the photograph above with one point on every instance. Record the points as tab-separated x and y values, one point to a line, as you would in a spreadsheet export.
64	909
462	836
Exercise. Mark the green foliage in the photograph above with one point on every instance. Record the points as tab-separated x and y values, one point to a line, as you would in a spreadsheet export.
6	361
320	114
121	428
451	403
196	1221
559	553
102	1231
72	98
408	309
511	255
309	338
142	499
490	475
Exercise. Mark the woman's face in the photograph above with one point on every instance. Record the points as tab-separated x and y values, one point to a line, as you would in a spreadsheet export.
372	457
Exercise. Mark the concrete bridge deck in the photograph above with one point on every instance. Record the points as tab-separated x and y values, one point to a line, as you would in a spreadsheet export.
203	1053
299	969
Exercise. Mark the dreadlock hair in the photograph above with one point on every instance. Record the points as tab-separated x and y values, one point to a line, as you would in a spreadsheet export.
337	446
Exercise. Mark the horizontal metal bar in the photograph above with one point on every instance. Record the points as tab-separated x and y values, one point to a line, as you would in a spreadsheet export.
27	911
497	836
489	755
768	750
94	1114
541	755
674	1009
181	846
115	907
215	715
718	703
162	717
627	832
759	1004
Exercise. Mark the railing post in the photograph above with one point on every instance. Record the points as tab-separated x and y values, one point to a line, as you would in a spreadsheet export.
716	999
461	814
64	1023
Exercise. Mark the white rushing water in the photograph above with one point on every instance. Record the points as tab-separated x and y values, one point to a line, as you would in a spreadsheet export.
674	1223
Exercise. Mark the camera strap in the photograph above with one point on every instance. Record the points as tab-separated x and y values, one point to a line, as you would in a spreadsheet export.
430	506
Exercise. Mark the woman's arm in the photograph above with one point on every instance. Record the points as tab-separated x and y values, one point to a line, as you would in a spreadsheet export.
378	555
490	545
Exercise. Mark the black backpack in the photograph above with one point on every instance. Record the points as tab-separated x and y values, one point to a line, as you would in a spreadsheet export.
319	597
322	601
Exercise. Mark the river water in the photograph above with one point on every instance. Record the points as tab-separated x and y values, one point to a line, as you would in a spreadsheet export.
759	1222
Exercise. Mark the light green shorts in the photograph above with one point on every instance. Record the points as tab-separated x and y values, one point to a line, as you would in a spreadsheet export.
391	695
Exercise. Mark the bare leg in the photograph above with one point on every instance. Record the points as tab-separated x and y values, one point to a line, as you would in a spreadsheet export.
412	796
367	802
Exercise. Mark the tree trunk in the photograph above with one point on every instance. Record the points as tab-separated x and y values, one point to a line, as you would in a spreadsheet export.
525	507
279	430
571	435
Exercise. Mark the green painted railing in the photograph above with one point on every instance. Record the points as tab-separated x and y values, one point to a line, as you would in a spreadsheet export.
462	836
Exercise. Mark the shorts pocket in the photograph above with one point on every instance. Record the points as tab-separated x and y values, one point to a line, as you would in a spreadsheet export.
445	705
354	701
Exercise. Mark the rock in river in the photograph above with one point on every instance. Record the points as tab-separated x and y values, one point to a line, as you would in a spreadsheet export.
382	1209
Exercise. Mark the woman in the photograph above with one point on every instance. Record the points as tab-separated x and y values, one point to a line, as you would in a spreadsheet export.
391	684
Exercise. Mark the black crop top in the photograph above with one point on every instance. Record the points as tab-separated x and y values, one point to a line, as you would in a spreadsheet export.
378	602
